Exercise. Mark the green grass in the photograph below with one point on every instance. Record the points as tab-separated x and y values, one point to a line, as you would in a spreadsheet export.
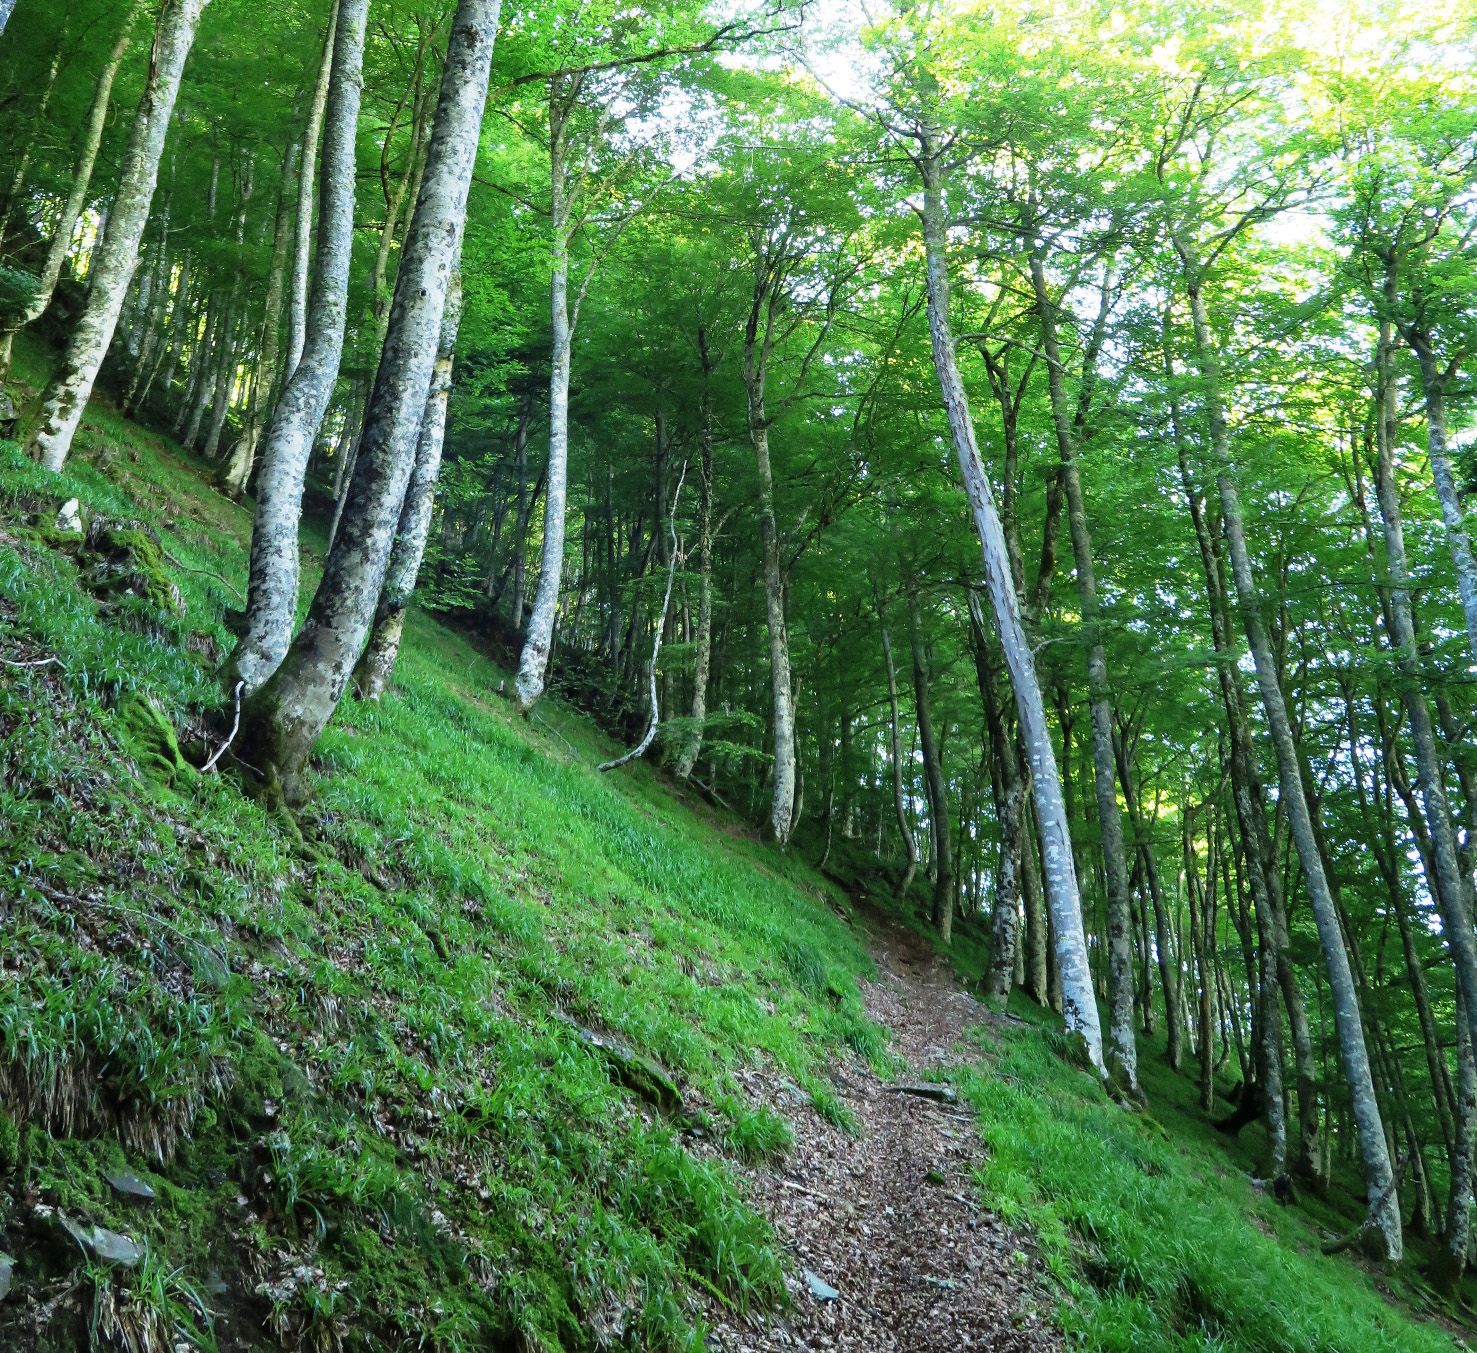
346	1052
366	1034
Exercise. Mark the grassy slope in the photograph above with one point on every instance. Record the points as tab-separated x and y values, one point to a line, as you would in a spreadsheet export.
344	1061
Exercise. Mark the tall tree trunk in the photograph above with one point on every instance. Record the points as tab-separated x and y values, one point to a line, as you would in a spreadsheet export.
113	267
378	661
61	237
933	775
1079	1003
302	247
272	587
899	799
758	346
703	640
1122	1050
1379	1177
243	458
283	721
538	639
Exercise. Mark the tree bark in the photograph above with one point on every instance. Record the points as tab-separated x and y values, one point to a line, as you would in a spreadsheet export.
272	587
283	721
378	661
703	641
899	799
112	270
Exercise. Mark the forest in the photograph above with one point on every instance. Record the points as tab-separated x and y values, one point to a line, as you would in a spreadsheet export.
884	503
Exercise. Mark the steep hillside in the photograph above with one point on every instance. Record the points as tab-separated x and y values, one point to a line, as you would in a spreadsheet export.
485	1049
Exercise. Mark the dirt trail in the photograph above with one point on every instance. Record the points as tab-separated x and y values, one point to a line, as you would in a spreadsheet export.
888	1218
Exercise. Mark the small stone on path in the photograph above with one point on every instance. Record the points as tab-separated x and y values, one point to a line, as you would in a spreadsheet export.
820	1289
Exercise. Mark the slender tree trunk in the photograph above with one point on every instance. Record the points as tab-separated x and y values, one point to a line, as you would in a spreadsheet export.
302	249
112	269
758	345
243	458
703	640
1122	1050
272	587
378	661
538	639
1079	1003
899	799
933	773
66	225
1379	1177
283	721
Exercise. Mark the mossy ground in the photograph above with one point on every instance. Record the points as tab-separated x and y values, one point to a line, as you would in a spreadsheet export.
347	1054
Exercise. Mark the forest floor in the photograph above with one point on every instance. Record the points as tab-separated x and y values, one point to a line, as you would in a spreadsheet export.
885	1215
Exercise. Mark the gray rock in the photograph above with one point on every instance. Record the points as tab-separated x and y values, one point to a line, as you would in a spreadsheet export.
7	1271
820	1289
130	1185
940	1094
112	1248
70	517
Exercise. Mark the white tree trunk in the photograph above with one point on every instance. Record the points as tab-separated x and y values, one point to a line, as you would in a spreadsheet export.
271	598
116	258
1079	1006
282	722
302	249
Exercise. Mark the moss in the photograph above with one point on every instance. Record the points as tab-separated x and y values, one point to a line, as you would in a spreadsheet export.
150	737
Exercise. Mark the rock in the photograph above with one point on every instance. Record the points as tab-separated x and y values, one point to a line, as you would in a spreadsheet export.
112	1248
943	1284
9	418
940	1094
130	1185
69	519
7	1272
820	1289
101	1243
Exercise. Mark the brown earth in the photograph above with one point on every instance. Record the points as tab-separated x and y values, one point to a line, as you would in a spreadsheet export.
888	1217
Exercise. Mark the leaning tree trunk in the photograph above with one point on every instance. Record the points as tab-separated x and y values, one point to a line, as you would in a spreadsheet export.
272	586
61	239
1063	900
378	662
1122	1052
116	258
302	248
6	6
1380	1182
283	721
538	639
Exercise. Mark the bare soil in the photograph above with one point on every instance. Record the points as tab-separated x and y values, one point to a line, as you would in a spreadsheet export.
888	1217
